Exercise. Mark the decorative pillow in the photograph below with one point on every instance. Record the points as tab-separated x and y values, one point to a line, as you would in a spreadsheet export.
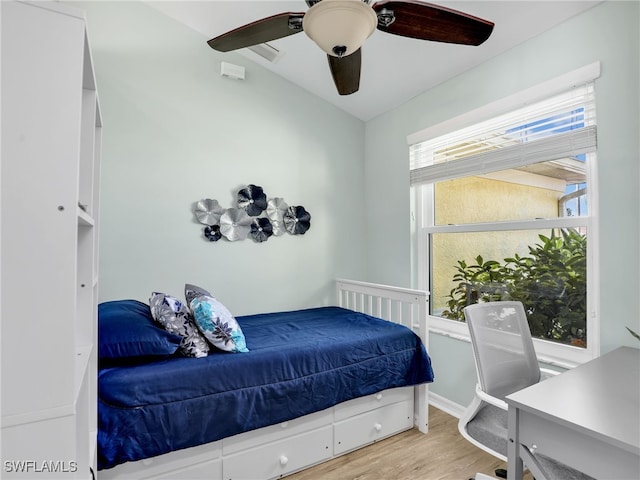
193	291
127	330
175	318
214	320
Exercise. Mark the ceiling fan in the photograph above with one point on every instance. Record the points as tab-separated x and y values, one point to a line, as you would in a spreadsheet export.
340	28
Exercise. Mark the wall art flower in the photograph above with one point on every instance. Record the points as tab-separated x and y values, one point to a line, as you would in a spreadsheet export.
261	229
276	208
235	224
208	211
297	220
212	233
252	199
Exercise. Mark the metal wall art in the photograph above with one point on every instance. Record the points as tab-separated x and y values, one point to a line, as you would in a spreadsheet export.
253	216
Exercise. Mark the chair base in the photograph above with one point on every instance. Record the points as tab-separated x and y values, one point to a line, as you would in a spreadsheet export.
501	473
482	476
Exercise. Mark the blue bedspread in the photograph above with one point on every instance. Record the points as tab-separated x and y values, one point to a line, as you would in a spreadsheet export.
299	362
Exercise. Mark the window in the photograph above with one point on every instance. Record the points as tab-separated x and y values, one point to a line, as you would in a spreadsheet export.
505	210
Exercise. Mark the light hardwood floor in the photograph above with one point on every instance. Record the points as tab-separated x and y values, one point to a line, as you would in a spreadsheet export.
442	454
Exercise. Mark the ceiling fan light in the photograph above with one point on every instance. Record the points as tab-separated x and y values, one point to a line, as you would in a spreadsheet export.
340	27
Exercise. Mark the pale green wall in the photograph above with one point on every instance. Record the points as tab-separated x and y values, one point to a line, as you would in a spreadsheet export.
608	33
175	132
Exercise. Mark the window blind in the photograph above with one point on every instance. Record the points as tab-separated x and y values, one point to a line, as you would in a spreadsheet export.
559	127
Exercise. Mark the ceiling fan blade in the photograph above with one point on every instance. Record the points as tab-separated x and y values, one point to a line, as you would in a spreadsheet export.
260	31
346	72
425	21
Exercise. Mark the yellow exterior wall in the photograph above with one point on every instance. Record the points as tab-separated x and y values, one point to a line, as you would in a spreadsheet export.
477	200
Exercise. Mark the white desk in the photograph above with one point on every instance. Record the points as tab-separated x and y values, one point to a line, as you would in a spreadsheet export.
587	418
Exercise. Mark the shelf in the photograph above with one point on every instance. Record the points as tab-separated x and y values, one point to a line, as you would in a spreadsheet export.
93	447
84	219
53	127
83	356
37	416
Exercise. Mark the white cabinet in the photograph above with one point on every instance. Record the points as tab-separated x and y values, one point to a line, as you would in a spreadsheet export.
51	134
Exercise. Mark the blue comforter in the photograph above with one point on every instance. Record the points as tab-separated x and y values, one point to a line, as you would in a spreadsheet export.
299	362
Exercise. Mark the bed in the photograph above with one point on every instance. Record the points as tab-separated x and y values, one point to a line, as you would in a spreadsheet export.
314	384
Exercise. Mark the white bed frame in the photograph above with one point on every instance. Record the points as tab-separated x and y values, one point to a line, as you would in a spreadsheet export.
279	450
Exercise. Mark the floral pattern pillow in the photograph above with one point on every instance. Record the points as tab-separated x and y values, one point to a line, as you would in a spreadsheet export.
215	321
175	318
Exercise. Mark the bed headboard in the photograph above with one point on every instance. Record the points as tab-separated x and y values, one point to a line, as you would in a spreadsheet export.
395	304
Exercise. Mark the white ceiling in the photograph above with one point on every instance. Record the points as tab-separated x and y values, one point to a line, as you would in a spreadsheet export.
394	69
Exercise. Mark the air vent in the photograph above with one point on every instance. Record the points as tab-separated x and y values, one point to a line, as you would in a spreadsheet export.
267	52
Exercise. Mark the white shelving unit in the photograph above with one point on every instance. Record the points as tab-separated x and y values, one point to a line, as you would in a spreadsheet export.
51	139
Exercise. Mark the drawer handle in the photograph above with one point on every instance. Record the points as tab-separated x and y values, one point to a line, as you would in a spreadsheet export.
283	460
378	427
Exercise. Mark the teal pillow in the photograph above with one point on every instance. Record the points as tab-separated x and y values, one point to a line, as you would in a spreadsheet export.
215	321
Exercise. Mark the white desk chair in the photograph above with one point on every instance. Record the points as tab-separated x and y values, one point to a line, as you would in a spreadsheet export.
505	362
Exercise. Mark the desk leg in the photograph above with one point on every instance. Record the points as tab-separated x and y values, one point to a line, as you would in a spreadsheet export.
514	461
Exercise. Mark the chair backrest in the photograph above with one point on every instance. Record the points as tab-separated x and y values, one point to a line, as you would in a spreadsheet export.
502	346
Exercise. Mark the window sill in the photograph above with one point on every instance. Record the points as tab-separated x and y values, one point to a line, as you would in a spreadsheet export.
549	353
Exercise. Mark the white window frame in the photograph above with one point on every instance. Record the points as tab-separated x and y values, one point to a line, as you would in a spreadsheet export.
551	353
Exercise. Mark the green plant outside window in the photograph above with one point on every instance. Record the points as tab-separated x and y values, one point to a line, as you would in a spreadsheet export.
551	282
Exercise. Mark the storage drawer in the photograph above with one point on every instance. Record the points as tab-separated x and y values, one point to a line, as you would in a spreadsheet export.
201	471
280	458
371	426
273	433
371	402
206	454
